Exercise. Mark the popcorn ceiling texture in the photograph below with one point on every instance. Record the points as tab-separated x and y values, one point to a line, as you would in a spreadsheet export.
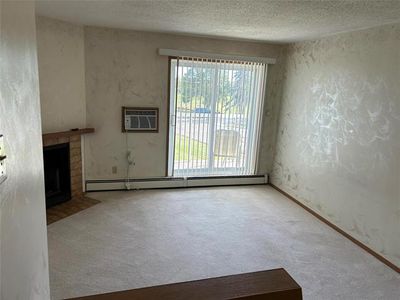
274	21
338	138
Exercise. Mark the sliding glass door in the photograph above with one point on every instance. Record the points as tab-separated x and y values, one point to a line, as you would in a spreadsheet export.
215	116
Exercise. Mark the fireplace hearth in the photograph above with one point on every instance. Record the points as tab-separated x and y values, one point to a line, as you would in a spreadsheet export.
57	174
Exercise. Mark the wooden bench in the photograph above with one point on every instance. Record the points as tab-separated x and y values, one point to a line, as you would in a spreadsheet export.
271	284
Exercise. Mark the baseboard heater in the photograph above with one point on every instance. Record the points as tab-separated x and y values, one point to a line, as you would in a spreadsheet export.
172	182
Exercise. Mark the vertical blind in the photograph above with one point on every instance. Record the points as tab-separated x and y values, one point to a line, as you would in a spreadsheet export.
215	112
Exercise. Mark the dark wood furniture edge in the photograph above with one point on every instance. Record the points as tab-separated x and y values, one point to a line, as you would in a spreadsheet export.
341	231
69	133
288	288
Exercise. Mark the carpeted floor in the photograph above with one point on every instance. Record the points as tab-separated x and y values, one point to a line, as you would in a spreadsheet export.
144	238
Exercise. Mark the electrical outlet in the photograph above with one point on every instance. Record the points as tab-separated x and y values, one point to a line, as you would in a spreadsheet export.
114	169
3	173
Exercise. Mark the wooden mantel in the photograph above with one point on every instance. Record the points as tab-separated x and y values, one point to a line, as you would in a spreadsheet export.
66	134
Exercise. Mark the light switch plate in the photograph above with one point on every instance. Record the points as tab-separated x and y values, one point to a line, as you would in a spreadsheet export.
3	173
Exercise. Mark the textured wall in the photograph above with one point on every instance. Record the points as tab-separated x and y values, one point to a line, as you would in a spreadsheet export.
338	140
61	74
271	113
23	252
124	69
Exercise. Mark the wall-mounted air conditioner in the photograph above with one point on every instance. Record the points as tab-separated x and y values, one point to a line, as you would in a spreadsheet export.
139	119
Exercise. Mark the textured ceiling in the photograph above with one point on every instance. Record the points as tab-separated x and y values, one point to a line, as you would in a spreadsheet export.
273	21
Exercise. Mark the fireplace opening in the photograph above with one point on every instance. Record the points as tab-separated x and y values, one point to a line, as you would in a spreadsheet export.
57	176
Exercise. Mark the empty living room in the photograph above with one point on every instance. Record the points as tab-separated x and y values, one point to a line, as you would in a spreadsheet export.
199	149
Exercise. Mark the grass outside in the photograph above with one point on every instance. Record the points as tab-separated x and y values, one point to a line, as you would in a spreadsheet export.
198	150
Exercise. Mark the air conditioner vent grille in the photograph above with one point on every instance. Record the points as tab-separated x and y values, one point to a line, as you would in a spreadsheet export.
139	119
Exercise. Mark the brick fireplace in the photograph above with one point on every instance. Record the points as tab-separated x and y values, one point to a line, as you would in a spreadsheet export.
78	201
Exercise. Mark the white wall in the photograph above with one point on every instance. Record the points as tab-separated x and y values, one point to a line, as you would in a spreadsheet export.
338	140
23	250
124	69
61	75
333	105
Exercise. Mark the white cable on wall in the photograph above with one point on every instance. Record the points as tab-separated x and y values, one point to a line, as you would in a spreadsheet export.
130	162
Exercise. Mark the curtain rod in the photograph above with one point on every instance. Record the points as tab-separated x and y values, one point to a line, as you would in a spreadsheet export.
183	53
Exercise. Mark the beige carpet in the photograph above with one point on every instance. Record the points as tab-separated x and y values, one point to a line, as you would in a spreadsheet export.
144	238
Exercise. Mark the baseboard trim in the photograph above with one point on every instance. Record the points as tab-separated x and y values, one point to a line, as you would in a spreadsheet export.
342	232
172	182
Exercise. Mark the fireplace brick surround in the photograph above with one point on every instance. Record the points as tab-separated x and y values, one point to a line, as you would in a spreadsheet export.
78	200
75	157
